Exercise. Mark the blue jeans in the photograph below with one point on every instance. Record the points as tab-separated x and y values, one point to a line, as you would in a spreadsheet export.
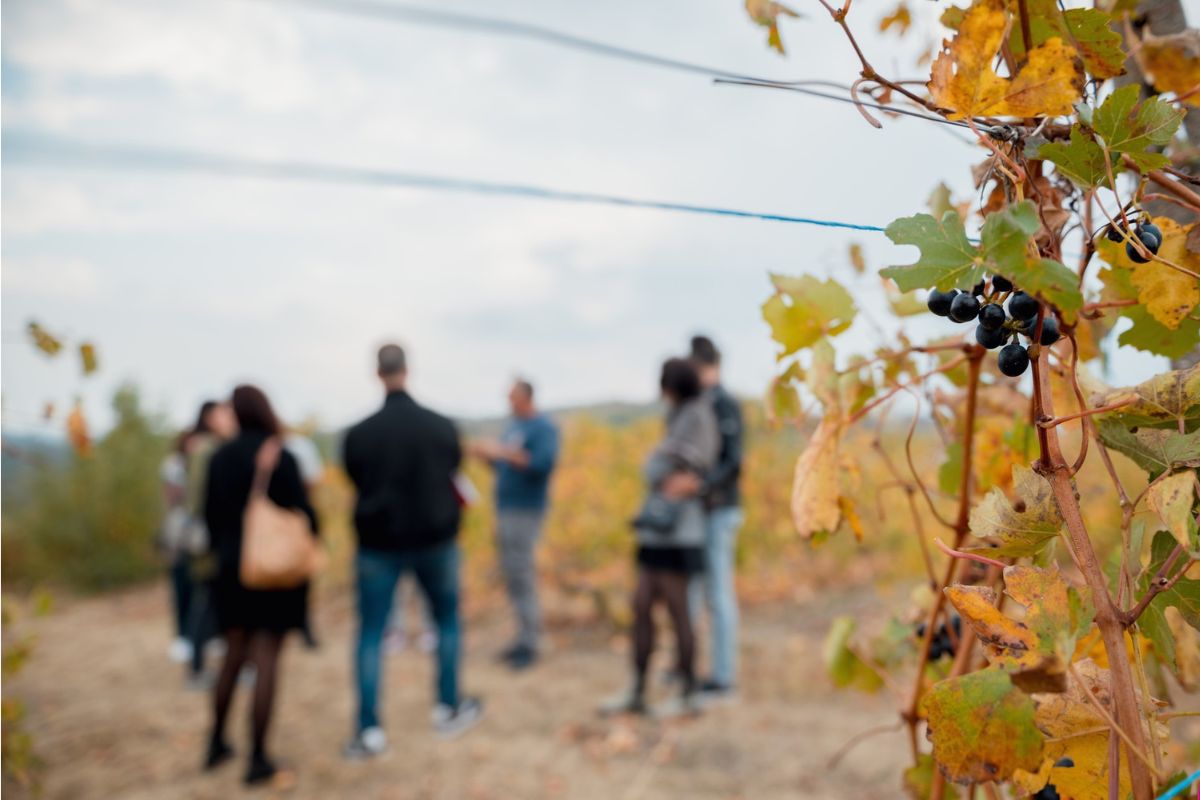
436	570
719	592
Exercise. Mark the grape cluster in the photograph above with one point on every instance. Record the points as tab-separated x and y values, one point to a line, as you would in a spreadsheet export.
997	328
1145	232
941	644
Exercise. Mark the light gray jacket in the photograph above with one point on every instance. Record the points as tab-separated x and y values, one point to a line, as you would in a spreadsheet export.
692	443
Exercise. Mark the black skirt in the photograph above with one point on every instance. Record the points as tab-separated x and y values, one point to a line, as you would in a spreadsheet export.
686	560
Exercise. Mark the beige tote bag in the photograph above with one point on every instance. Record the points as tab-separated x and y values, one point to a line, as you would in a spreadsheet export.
278	548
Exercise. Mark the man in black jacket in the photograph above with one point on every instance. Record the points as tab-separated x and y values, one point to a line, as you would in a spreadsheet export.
404	460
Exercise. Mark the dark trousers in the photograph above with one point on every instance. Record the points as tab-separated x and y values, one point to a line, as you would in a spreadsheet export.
181	594
436	571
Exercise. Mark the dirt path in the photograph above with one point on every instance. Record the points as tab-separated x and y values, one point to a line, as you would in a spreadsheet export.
110	719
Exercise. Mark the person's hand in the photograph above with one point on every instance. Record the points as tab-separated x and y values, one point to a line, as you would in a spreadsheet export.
486	449
680	485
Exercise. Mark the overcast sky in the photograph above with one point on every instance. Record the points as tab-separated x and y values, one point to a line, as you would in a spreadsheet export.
190	284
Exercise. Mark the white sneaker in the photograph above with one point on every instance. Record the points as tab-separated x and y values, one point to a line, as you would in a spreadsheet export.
367	744
450	722
180	650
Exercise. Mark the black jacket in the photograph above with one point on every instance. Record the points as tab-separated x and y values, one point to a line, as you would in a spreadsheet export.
721	483
403	460
230	474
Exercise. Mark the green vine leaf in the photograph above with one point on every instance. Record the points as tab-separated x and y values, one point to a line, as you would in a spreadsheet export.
982	727
1171	499
1184	596
948	259
1169	400
844	666
1155	450
1082	160
1137	131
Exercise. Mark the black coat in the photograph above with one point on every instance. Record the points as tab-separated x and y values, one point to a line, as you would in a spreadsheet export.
230	474
403	460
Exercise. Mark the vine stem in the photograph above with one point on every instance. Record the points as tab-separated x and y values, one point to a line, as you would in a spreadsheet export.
1054	468
974	356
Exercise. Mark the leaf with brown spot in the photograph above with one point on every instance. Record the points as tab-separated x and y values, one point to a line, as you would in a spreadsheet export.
982	727
815	486
1171	499
1020	530
1168	294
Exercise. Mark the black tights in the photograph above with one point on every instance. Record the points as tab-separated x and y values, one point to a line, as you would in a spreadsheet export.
260	648
671	588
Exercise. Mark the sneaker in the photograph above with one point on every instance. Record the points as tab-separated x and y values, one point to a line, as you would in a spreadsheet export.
180	650
368	743
713	693
627	701
451	722
218	753
522	657
261	770
506	655
687	704
199	681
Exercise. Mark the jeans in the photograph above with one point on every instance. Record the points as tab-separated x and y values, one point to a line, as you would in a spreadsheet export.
517	531
719	592
181	594
436	570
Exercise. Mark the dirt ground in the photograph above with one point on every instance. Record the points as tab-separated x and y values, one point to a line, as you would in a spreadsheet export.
110	718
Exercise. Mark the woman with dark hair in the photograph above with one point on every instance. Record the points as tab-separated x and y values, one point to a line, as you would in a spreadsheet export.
253	621
670	532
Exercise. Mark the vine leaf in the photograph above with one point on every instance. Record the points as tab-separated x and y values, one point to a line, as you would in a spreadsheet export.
963	81
77	431
1184	596
1087	29
87	358
1020	530
948	259
1075	731
1168	400
1081	160
815	506
1136	131
805	310
43	340
1173	62
1034	650
767	13
1168	294
918	780
900	19
843	664
1155	450
982	727
1171	499
1147	333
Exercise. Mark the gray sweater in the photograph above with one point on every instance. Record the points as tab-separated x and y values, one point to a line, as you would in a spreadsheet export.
692	444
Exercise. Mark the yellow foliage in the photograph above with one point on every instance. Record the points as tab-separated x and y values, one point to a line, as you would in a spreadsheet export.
963	80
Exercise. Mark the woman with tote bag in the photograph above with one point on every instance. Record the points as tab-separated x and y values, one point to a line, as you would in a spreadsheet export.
258	516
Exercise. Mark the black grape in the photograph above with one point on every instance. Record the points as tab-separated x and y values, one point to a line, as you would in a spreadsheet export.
964	308
939	302
991	338
1135	256
1001	284
1050	333
1022	306
1013	360
992	316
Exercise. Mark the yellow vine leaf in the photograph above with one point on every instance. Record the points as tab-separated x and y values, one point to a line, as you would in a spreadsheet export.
1171	499
77	431
766	13
815	506
1168	294
900	19
963	80
1021	529
1173	63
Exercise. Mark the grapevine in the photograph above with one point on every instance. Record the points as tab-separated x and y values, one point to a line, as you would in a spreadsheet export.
1038	657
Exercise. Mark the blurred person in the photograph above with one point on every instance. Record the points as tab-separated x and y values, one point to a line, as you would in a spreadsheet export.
312	470
719	490
523	459
403	461
670	531
172	543
253	621
215	424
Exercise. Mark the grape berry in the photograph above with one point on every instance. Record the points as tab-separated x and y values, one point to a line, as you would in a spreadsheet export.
1145	232
997	328
941	644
